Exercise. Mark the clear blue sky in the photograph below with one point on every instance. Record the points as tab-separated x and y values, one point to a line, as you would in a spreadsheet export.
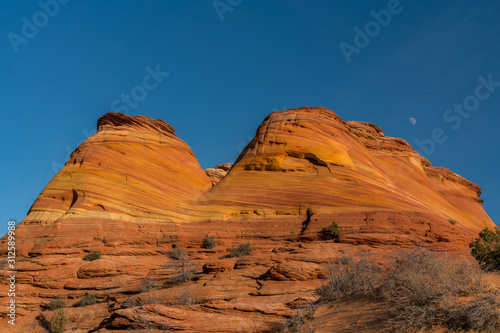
230	66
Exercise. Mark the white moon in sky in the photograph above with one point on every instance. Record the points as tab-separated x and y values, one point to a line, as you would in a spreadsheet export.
413	121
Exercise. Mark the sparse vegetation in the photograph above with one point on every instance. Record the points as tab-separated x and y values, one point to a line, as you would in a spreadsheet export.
56	304
149	299
93	256
486	249
242	250
185	273
56	324
452	221
149	285
422	290
333	231
128	303
87	299
350	275
186	298
178	253
184	267
145	326
209	243
298	323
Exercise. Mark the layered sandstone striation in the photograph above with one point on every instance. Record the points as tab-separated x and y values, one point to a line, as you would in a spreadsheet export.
220	171
135	191
309	161
134	173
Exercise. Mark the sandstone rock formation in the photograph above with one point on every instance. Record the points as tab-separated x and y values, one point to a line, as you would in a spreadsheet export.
376	187
128	181
134	191
216	174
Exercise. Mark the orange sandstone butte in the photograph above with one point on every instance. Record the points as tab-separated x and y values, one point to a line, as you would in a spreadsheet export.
134	190
136	183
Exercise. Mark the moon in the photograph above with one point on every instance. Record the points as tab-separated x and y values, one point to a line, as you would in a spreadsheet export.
413	121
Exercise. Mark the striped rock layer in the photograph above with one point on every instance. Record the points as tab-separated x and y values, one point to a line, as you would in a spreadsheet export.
136	184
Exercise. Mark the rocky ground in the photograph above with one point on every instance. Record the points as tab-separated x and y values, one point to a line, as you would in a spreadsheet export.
254	293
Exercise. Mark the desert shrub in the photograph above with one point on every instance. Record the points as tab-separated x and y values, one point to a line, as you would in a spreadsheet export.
143	325
480	315
184	274
57	324
178	253
298	322
184	270
87	299
209	243
149	299
241	250
56	304
486	249
421	289
452	221
183	265
148	285
350	275
333	231
186	298
425	276
93	256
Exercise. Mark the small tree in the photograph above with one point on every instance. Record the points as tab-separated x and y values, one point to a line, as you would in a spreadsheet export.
333	231
486	249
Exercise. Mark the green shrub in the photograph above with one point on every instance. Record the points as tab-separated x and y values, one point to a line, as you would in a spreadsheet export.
88	299
241	250
486	249
57	323
93	256
331	232
56	304
209	243
452	221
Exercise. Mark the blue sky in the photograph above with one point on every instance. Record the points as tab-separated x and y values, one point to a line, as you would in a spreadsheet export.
232	62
